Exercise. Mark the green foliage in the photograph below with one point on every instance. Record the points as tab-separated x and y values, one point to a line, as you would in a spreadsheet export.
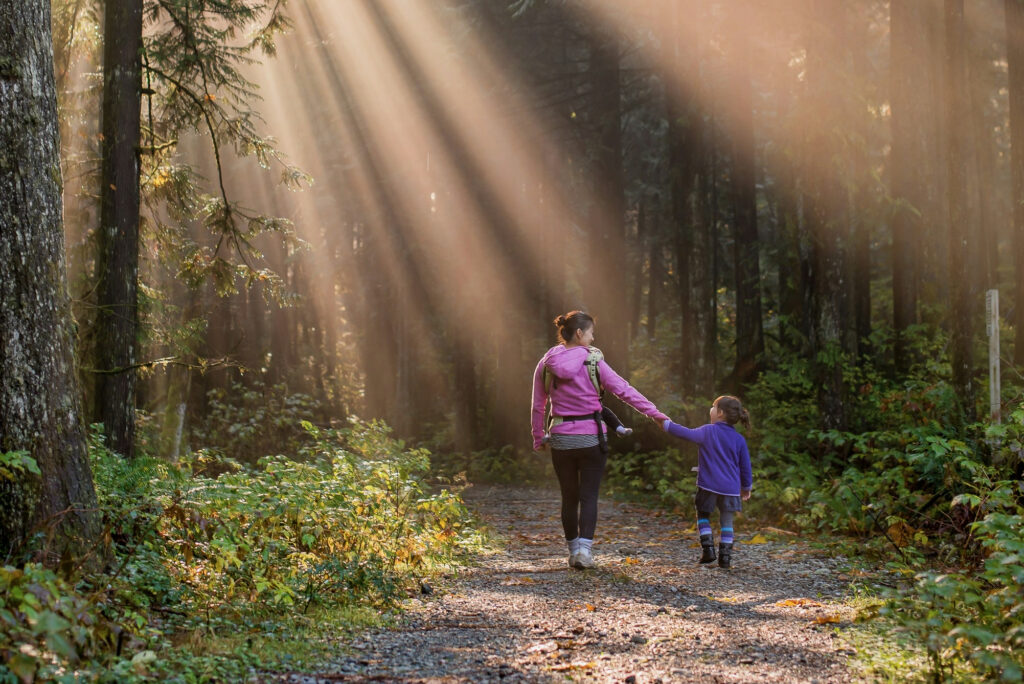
15	463
247	422
268	552
664	474
972	623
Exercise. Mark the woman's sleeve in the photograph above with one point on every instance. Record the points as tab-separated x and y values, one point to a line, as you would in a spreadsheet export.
540	398
746	476
695	435
614	383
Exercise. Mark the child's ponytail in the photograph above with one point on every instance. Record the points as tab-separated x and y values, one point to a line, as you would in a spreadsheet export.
733	410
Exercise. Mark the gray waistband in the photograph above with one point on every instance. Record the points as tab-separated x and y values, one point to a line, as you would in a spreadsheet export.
573	441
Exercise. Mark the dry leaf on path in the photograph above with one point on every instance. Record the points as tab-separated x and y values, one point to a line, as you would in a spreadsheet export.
826	619
786	603
757	539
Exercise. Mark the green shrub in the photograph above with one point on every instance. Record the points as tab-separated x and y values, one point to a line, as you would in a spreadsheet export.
247	422
350	522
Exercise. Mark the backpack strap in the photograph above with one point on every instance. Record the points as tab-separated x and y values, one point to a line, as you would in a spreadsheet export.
595	356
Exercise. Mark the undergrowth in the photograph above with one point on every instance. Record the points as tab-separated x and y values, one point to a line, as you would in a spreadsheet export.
200	570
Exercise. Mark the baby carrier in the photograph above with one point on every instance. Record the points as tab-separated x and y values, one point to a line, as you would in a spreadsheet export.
594	356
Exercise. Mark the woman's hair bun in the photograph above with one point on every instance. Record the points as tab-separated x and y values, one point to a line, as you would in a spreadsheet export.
561	320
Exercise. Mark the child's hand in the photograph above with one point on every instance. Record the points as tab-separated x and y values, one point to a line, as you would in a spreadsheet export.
745	495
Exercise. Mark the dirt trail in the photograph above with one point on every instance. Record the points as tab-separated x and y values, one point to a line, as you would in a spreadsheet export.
648	613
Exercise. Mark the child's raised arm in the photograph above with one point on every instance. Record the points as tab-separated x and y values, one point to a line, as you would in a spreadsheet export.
695	435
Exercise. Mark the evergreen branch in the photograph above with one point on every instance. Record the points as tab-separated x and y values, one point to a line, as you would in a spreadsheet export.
168	361
213	140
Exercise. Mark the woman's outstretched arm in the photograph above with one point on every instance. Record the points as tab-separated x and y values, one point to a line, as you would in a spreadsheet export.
614	383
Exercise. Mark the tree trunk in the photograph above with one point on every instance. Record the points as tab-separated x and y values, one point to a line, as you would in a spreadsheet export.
685	131
825	200
1015	61
654	278
609	234
117	265
642	241
39	400
909	102
957	125
746	246
861	179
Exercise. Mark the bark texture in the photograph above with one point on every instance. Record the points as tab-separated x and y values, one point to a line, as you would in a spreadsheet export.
39	402
746	246
962	298
117	265
909	190
825	202
1015	60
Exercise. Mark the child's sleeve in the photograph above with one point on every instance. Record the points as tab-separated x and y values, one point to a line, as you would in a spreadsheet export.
746	476
695	435
540	398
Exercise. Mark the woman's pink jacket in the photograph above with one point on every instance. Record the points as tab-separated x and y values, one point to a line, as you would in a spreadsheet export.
573	394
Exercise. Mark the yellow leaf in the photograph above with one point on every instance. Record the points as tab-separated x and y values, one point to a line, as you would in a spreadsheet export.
591	607
786	603
631	561
826	619
757	539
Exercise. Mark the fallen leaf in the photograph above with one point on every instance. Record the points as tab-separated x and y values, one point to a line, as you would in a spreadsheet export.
757	539
631	561
724	599
826	619
797	602
591	607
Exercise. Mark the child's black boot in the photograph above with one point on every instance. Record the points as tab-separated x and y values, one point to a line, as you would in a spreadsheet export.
707	548
724	555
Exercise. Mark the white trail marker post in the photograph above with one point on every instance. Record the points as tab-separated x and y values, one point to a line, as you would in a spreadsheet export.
992	328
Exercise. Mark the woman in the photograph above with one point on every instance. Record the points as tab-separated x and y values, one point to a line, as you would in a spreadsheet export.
568	376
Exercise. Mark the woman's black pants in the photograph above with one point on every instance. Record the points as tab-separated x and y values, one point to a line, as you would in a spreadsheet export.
579	474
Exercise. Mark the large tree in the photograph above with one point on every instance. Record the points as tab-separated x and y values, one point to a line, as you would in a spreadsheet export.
39	403
746	247
958	141
117	265
1015	62
908	58
826	201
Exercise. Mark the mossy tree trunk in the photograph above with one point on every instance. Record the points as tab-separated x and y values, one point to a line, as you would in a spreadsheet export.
39	400
117	265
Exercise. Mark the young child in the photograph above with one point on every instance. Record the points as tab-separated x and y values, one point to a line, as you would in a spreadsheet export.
723	473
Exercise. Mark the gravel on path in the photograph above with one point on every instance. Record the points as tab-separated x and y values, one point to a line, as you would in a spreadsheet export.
648	613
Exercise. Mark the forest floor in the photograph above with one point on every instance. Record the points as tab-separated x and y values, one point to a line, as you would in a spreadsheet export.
648	613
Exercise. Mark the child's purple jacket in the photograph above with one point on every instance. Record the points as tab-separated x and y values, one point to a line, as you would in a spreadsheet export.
573	394
723	460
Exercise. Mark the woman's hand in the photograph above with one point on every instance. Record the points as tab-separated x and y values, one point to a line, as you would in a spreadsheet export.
745	495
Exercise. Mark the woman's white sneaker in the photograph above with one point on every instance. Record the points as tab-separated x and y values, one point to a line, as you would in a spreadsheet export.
584	560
